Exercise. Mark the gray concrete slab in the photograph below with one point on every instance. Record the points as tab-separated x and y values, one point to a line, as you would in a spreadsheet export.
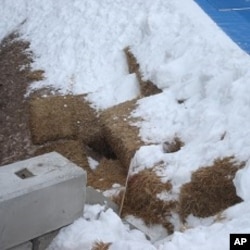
24	246
38	196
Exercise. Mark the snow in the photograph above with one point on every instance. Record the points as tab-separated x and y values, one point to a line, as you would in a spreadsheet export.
212	236
242	184
93	164
76	46
99	225
79	45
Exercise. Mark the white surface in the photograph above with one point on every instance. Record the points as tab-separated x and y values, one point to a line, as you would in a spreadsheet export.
242	183
80	46
99	225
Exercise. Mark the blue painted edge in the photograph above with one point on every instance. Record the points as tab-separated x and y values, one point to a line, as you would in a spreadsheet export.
236	24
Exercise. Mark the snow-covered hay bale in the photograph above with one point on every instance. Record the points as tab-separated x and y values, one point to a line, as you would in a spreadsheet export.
119	133
108	173
62	117
141	199
147	88
70	149
211	189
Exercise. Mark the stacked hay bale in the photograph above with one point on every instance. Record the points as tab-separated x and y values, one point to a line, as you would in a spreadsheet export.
211	189
64	124
62	117
69	126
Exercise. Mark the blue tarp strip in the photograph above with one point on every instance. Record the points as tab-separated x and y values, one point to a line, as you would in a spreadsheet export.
235	23
229	4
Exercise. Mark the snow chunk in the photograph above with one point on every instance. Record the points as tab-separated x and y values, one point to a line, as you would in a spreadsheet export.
242	184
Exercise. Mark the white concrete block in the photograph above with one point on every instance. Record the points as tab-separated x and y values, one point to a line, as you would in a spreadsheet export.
38	196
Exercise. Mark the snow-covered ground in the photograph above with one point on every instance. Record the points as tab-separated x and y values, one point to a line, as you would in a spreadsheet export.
79	44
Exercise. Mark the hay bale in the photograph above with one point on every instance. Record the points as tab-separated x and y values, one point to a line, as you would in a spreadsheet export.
86	118
51	119
141	199
211	189
62	117
108	173
147	88
70	149
119	133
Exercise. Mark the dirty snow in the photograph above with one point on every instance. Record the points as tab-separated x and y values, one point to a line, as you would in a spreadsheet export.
80	46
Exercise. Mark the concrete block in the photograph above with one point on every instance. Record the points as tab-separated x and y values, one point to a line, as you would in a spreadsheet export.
38	196
95	197
42	242
25	246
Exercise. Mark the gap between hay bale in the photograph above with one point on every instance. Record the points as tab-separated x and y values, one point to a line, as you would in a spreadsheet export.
120	134
211	189
141	199
147	88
